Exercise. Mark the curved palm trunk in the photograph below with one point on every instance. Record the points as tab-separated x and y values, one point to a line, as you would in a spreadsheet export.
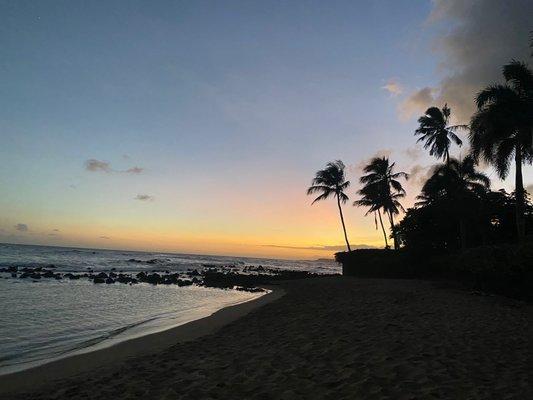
519	192
396	244
383	229
343	226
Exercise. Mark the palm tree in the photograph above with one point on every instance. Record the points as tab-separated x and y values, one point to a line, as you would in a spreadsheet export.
435	132
502	129
331	181
457	182
381	186
371	199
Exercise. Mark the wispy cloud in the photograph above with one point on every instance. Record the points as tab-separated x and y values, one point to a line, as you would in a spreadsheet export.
105	237
93	165
321	248
418	174
416	103
393	87
414	153
21	227
144	197
134	170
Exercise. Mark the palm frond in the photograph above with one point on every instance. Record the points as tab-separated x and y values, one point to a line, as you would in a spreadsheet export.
323	196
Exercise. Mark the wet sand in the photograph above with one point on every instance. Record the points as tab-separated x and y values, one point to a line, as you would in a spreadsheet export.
324	338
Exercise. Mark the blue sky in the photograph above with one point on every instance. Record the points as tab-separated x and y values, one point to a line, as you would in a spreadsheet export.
227	108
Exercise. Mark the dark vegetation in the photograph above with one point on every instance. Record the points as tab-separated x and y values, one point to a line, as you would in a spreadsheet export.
459	228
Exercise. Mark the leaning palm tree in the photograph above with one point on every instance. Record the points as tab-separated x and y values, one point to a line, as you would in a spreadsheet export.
457	182
502	129
435	132
382	186
371	198
331	181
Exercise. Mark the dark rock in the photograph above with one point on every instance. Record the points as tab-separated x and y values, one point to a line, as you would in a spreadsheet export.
98	280
109	281
123	278
154	278
141	275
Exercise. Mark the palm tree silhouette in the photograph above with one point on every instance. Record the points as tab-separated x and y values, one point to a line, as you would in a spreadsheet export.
383	190
458	182
435	132
331	181
371	198
502	128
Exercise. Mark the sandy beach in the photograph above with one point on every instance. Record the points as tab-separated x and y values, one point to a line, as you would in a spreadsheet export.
324	338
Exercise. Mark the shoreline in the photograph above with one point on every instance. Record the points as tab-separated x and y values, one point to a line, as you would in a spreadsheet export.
110	356
328	337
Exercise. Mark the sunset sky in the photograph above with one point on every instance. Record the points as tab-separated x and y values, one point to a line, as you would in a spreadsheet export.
197	126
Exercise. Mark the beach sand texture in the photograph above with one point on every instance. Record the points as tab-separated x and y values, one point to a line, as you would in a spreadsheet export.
336	338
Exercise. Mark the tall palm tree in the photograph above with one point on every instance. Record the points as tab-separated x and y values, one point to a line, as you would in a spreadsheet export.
382	186
502	129
458	182
435	132
371	198
331	181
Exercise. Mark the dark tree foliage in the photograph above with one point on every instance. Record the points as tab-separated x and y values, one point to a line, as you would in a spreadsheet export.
502	129
435	226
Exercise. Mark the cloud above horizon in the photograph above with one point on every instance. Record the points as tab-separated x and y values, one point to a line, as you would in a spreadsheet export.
414	153
393	87
321	248
21	227
484	35
419	174
93	165
416	103
133	170
144	197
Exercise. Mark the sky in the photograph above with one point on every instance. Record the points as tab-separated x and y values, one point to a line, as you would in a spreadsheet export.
197	126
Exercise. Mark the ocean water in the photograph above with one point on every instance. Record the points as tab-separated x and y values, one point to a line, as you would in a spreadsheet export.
48	319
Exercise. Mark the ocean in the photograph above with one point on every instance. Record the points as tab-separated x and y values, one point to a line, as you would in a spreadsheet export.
47	319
